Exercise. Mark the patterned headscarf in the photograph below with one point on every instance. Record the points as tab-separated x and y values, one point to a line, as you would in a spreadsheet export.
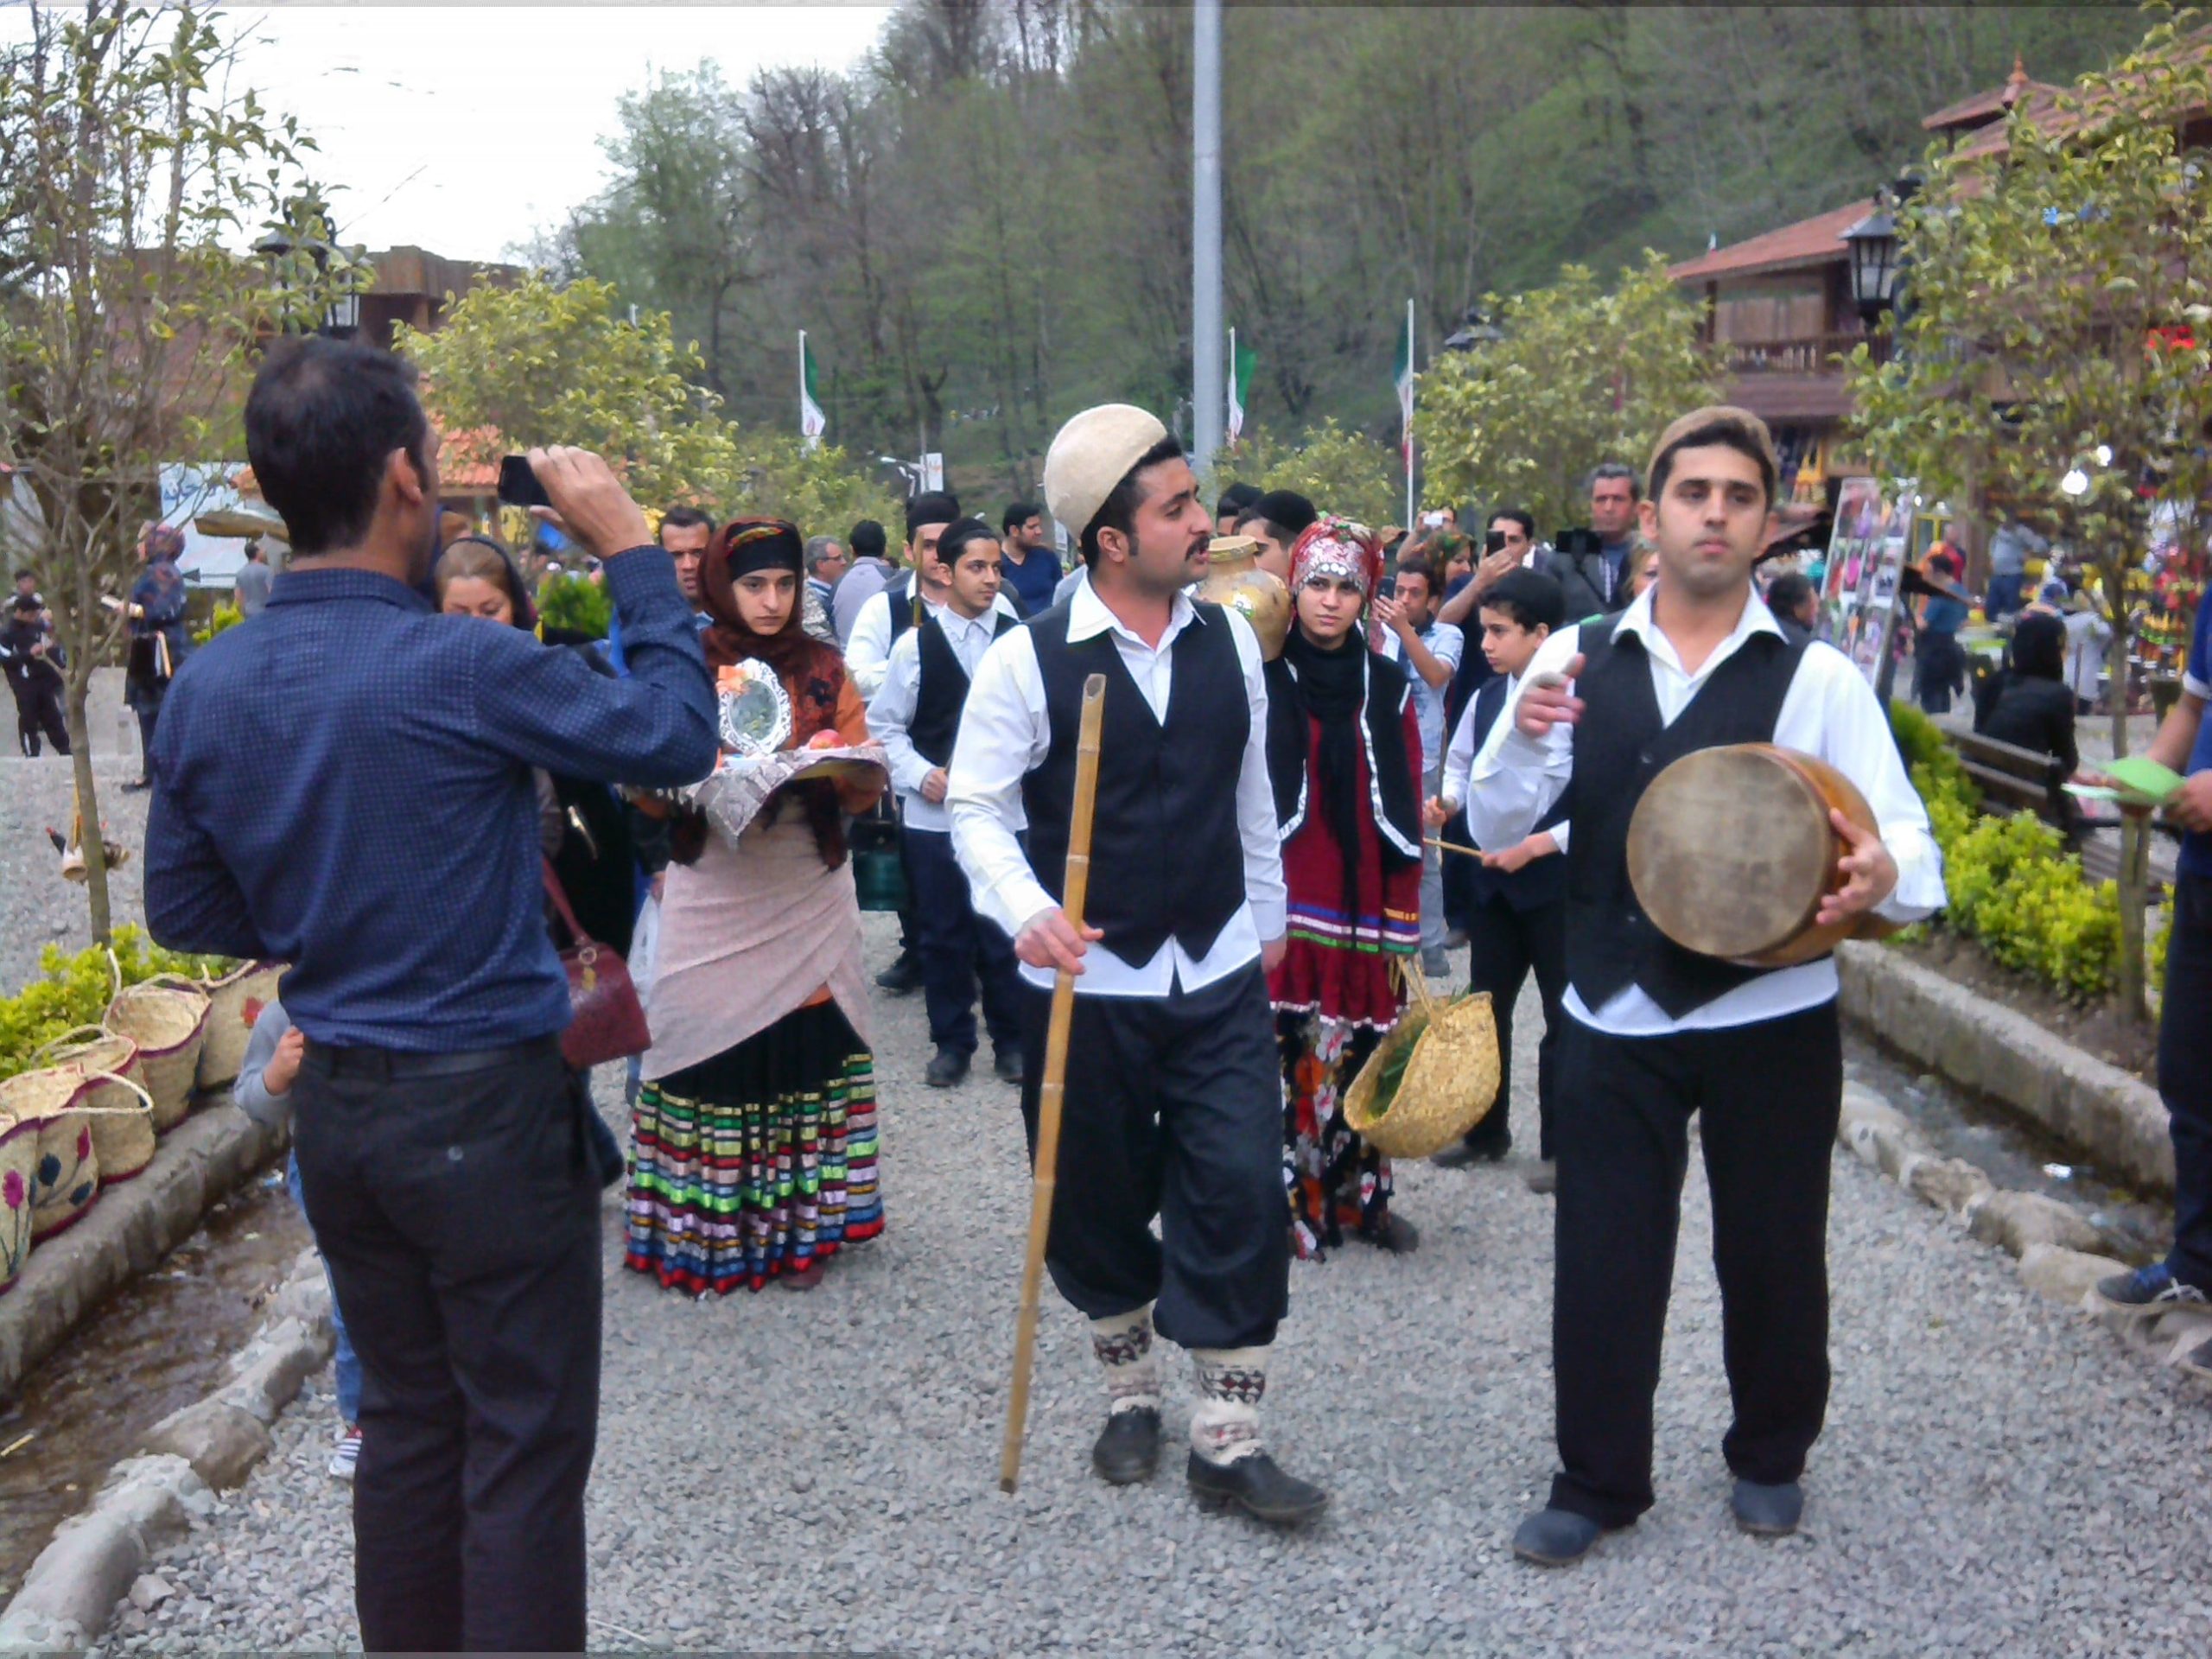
1336	549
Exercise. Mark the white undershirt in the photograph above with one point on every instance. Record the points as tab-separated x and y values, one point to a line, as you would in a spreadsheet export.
891	711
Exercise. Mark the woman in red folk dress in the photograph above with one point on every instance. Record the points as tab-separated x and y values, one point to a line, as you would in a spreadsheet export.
1344	753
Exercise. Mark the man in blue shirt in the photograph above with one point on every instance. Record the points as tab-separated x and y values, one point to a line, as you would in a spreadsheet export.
2184	1279
1031	567
378	832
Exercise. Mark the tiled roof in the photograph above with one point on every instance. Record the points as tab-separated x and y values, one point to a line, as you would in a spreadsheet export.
1984	107
1815	241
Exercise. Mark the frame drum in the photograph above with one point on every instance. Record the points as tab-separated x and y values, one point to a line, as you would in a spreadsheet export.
1731	852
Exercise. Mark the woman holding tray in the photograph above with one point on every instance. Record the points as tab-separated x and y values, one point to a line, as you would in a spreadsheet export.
1343	754
754	1150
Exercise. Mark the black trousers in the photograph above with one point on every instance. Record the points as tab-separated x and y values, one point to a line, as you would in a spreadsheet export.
1505	944
2185	1077
38	709
1770	1094
1172	1108
958	947
460	1219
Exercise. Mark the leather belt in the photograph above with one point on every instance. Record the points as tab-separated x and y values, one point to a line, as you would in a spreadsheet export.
400	1065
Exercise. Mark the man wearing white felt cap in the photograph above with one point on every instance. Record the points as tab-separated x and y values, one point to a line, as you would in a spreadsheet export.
1173	1102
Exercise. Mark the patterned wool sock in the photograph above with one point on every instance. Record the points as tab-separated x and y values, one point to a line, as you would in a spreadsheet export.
1123	1345
1226	1425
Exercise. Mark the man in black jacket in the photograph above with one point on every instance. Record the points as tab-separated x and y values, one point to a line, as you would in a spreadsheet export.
27	651
1593	578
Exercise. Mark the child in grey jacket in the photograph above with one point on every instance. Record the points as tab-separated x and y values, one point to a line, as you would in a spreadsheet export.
262	1093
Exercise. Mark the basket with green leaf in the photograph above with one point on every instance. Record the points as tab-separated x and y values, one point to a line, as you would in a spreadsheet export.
1433	1077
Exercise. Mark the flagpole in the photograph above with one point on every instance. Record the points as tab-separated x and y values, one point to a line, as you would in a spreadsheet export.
1229	414
804	441
1406	415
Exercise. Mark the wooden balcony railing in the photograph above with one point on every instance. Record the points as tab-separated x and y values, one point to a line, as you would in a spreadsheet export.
1810	354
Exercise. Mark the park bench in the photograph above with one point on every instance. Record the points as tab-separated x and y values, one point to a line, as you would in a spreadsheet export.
2014	780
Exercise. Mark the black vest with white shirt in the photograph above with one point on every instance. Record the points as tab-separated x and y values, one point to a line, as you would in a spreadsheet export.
1621	744
1167	856
1541	881
941	689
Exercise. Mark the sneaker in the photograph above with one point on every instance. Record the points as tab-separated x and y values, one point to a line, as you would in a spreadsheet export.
2147	1291
344	1460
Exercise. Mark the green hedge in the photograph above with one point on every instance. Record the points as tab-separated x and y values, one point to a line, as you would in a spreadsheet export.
75	990
576	605
2012	885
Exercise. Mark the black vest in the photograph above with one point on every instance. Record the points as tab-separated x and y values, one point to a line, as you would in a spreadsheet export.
1543	881
941	690
1167	859
1620	746
898	595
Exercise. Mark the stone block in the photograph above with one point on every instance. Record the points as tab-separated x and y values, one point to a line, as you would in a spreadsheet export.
221	1440
1952	1185
268	1374
2064	1276
2017	1220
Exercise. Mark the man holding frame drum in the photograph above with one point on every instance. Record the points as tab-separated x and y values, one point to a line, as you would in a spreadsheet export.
1657	1031
1172	1105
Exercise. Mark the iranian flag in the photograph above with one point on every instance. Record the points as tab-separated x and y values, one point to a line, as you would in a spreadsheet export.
1405	382
1240	361
812	421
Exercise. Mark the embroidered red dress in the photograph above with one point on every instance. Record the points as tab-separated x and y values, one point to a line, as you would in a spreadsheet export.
1335	995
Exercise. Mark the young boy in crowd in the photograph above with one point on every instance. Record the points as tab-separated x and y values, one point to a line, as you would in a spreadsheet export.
262	1093
1518	922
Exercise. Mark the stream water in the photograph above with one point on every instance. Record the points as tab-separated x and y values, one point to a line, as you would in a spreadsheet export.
160	1343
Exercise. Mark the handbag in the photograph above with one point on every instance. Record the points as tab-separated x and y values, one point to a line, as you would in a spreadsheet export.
606	1020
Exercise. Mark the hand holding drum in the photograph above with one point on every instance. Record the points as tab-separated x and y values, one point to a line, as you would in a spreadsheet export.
1757	855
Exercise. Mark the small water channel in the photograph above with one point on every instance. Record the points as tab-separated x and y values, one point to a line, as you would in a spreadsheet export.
2014	1153
160	1343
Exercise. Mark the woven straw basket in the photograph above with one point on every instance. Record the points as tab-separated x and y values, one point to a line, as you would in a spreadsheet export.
234	1002
1449	1082
167	1017
119	1109
67	1178
18	1173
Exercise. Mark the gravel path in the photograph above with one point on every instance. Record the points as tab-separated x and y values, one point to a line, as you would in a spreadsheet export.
780	1473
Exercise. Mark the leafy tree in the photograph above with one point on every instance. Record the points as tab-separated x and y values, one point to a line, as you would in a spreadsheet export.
818	489
1348	474
125	323
1582	376
2056	355
575	604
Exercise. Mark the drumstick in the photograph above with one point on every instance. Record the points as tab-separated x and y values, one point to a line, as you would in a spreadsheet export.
1046	1177
1453	847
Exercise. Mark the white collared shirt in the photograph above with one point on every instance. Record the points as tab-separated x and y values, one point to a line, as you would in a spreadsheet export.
868	653
891	711
1460	761
1829	712
1004	735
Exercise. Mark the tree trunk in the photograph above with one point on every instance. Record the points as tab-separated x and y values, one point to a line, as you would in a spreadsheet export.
2134	859
75	697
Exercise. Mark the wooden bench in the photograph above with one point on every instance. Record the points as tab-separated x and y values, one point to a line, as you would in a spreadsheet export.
2014	780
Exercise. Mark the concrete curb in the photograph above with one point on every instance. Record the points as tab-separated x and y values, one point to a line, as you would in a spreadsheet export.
95	1559
130	1229
2057	1252
1987	1047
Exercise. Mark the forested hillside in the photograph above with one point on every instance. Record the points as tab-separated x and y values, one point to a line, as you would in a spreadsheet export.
987	224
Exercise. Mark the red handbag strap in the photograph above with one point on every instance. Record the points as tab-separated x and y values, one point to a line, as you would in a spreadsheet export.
560	897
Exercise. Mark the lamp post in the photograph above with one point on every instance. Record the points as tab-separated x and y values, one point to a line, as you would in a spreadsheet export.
341	316
1877	266
1475	332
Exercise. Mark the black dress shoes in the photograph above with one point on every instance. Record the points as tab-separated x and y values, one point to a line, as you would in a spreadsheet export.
1128	1448
1255	1485
1477	1148
946	1067
1005	1064
903	975
1768	1511
1555	1537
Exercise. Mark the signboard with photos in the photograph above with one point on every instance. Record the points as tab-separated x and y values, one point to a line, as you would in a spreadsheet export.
1871	539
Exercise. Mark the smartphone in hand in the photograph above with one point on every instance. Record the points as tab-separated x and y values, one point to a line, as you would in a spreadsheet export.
519	485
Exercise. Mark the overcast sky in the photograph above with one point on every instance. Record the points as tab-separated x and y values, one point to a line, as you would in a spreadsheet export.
465	130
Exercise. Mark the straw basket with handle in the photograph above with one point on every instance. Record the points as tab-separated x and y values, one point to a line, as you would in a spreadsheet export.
116	1105
1443	1056
234	1002
167	1017
66	1177
18	1173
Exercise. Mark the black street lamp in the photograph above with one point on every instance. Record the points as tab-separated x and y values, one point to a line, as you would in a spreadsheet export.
1477	330
1876	266
342	313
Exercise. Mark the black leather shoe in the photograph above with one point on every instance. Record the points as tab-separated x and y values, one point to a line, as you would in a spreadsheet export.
1768	1511
1398	1236
138	784
1486	1150
947	1066
1128	1448
1255	1485
1555	1537
903	975
1005	1064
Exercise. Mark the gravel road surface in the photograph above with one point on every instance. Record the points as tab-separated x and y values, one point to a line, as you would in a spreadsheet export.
817	1472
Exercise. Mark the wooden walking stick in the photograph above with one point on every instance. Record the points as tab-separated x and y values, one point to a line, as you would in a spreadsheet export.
1045	1176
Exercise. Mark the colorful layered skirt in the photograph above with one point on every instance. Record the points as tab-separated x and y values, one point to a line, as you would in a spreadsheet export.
759	1162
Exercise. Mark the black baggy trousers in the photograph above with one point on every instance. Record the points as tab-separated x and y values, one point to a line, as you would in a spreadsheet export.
1172	1107
1769	1095
460	1219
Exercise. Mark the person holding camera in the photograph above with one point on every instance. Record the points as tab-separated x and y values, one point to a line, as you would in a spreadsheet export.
381	836
1592	566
